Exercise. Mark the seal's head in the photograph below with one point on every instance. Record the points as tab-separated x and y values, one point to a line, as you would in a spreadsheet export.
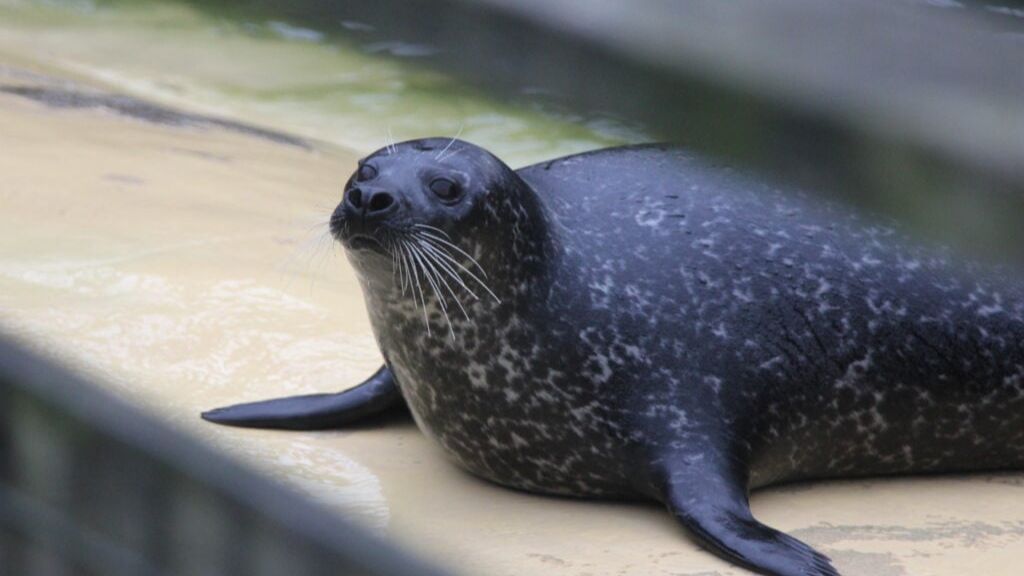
434	210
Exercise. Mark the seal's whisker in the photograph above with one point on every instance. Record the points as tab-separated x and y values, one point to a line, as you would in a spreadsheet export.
455	297
390	142
449	258
442	247
441	270
408	273
314	262
456	248
443	259
403	266
421	263
419	288
309	256
322	254
429	275
399	263
389	247
440	155
318	225
430	249
402	274
438	234
300	258
434	228
453	154
408	266
435	264
413	276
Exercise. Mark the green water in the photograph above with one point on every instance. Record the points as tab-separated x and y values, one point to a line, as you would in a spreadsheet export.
286	77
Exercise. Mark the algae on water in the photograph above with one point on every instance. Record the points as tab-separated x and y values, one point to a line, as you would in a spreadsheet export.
287	77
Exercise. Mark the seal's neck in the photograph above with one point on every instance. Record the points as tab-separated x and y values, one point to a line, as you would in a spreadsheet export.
515	243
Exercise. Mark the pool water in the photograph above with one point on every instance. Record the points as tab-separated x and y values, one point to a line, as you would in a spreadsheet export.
356	92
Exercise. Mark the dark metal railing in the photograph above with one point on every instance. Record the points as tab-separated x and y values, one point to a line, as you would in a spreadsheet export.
90	485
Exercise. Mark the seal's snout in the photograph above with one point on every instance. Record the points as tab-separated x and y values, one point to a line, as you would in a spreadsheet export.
370	206
363	212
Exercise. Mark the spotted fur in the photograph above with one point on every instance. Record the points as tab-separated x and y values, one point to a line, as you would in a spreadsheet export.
650	299
670	328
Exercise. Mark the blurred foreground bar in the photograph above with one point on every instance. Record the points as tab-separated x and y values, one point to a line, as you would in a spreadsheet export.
90	486
908	109
903	109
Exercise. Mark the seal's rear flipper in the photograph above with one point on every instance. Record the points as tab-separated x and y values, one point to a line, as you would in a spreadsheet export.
713	506
314	411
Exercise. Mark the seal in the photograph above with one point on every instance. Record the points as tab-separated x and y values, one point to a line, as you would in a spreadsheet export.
641	322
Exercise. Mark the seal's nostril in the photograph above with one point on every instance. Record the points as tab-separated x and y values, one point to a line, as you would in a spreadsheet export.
381	201
355	197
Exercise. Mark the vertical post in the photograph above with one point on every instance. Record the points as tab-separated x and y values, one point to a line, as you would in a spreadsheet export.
7	543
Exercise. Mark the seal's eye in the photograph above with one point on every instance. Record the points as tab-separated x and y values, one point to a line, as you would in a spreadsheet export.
445	189
366	172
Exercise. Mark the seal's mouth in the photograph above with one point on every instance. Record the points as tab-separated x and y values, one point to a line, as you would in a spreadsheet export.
355	235
362	242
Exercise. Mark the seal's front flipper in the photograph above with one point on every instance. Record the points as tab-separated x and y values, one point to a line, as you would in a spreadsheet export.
713	506
315	411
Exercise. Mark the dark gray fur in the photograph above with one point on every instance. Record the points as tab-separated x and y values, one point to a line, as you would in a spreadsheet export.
669	328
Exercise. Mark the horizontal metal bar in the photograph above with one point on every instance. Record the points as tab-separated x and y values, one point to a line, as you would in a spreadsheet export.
946	80
93	419
75	545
